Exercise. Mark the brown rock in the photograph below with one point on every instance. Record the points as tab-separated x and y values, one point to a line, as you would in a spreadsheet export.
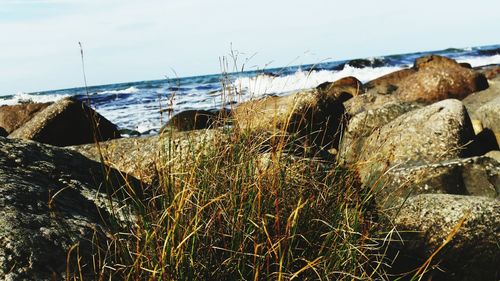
342	89
67	122
194	120
490	71
438	78
312	115
389	83
14	116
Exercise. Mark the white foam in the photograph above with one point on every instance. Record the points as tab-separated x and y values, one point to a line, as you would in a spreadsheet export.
480	61
264	84
24	97
130	90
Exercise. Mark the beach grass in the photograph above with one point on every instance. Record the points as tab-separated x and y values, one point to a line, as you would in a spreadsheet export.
243	206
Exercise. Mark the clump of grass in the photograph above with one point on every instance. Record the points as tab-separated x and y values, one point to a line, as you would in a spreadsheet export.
241	206
233	211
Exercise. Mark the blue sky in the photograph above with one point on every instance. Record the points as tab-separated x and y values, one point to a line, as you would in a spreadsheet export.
132	40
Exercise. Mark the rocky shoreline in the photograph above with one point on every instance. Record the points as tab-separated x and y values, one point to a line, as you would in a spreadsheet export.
423	140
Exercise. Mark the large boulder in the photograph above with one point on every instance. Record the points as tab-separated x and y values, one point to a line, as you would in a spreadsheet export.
148	158
435	133
363	124
67	122
458	234
489	114
388	83
314	116
342	89
492	72
438	78
477	176
14	116
52	199
475	100
196	119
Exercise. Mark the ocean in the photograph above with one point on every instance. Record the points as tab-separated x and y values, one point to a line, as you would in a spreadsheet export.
144	106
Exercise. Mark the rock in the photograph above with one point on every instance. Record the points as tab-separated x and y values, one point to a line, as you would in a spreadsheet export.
489	114
438	78
389	83
312	115
367	101
477	176
435	133
490	71
67	122
50	200
191	120
342	89
477	126
362	63
147	158
362	125
475	100
14	116
495	154
425	221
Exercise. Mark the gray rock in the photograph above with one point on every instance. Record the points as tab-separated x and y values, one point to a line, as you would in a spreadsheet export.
50	200
425	221
139	156
475	100
67	122
477	176
495	154
362	125
489	114
431	134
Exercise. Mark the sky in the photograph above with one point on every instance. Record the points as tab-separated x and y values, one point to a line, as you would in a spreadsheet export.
135	40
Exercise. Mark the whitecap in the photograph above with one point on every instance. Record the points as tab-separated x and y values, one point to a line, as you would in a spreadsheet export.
22	97
480	61
261	85
129	90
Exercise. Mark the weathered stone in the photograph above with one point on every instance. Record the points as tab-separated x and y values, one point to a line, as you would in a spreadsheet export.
467	226
439	78
50	200
475	100
388	83
67	122
431	134
478	176
491	72
314	116
494	154
489	114
362	125
14	116
146	158
342	89
196	120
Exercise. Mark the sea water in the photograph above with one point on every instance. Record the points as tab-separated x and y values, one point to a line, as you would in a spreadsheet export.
144	106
